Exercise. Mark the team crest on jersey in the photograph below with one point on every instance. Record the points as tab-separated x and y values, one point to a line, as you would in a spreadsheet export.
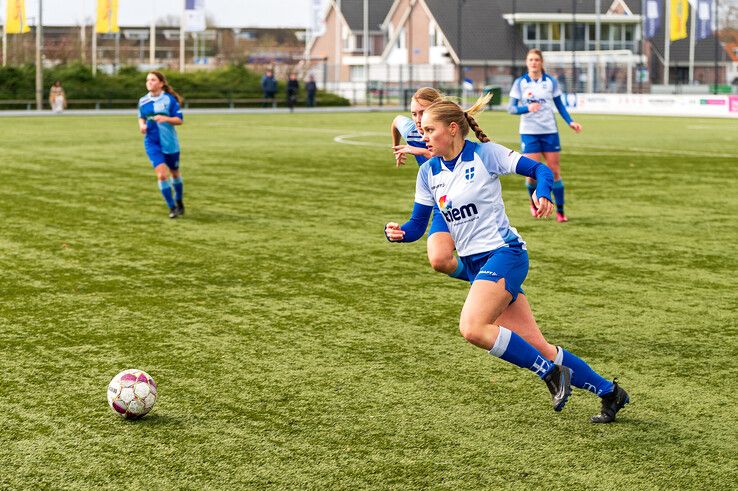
469	173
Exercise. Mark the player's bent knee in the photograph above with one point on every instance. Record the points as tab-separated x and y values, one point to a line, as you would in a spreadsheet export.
474	332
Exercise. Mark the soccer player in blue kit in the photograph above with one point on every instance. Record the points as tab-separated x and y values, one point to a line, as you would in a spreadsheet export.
159	112
533	96
440	245
462	179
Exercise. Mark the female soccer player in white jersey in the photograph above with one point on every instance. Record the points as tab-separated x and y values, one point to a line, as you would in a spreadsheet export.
158	113
462	178
532	97
440	244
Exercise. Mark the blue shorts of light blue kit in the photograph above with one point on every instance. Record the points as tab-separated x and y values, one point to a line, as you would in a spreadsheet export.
438	223
510	263
156	156
540	143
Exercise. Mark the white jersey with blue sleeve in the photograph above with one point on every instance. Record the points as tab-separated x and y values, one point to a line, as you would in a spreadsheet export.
160	134
543	91
412	136
470	196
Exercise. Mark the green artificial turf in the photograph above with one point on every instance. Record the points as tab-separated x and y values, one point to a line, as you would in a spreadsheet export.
295	348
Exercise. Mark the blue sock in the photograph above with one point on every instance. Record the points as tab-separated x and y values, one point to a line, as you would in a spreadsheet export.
558	192
460	272
531	189
178	188
583	376
516	350
166	191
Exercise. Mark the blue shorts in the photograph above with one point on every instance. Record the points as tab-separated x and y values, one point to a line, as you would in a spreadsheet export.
156	156
438	224
540	143
510	263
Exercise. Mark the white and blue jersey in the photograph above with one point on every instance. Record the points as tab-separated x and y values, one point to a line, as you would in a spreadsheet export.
161	137
544	91
469	196
412	136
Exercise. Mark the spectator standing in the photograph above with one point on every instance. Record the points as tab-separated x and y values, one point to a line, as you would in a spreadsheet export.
57	98
311	88
292	87
269	86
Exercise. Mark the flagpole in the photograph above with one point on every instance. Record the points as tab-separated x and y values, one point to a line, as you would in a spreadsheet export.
82	35
692	28
182	42
39	67
717	43
152	35
5	43
667	39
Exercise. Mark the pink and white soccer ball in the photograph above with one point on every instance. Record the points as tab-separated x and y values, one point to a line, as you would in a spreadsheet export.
132	393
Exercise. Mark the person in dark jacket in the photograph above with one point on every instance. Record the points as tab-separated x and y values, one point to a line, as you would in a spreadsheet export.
269	86
292	87
311	88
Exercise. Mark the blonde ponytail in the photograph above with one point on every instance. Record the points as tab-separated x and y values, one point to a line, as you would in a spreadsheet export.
448	112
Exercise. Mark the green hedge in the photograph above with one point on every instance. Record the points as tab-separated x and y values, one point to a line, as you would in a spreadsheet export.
234	82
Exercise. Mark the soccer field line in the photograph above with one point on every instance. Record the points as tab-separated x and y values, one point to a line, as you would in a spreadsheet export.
600	150
578	149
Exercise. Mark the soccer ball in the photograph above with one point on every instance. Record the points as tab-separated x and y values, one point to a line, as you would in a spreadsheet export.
132	393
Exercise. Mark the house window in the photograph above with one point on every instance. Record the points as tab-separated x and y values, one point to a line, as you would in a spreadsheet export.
356	73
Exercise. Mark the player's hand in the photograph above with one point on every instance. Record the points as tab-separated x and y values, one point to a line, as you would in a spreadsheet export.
575	126
160	118
544	207
393	232
400	158
534	107
142	129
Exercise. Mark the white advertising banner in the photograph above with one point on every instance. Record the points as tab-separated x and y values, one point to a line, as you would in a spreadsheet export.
722	106
194	16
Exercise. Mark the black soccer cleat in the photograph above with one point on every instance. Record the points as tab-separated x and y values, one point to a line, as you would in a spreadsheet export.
611	404
180	207
558	382
173	212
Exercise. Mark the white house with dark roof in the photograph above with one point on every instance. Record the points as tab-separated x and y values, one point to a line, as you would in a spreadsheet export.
414	42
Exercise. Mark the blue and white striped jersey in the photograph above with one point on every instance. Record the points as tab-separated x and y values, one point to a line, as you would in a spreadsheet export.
161	134
543	91
412	136
470	196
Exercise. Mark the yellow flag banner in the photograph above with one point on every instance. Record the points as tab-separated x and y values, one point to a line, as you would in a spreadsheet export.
678	21
16	17
107	17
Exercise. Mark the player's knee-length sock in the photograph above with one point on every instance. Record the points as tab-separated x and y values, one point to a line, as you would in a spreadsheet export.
558	192
583	376
516	350
178	188
460	272
166	191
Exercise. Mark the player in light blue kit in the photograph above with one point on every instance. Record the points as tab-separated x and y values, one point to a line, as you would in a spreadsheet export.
463	179
533	97
440	244
159	112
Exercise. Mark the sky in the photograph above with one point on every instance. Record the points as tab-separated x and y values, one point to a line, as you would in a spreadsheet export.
225	13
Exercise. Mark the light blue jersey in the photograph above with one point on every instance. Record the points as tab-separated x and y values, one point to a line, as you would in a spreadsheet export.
161	135
543	91
470	196
412	136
